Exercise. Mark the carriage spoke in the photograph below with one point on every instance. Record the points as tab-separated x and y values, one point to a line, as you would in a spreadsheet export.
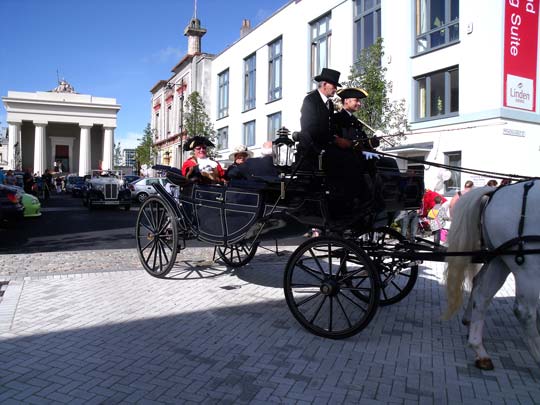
145	246
318	310
309	271
330	315
307	299
316	259
344	312
162	245
150	222
353	302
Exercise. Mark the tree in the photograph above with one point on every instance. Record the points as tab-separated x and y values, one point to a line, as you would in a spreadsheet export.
378	111
197	121
117	155
145	152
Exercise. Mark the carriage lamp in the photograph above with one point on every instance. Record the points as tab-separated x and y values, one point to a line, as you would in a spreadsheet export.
283	149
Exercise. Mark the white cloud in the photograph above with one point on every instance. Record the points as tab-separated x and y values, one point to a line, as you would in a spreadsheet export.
165	55
129	140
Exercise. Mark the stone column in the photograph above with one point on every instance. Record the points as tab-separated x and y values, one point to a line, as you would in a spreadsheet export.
14	145
84	151
108	147
40	164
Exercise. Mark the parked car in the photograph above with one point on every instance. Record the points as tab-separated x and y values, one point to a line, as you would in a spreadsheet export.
71	180
31	204
142	189
11	208
130	178
106	188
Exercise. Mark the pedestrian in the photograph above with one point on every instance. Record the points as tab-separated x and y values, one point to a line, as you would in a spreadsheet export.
58	182
437	220
492	183
409	224
10	178
466	188
2	175
28	181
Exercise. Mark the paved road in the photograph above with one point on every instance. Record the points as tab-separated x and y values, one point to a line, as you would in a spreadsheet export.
91	326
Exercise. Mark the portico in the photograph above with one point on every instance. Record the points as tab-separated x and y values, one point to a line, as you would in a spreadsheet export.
60	130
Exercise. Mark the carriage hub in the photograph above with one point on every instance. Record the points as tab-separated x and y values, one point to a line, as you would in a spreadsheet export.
330	287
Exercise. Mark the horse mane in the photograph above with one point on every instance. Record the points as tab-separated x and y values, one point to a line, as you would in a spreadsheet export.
464	235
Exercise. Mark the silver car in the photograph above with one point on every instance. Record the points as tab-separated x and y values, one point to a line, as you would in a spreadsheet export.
141	189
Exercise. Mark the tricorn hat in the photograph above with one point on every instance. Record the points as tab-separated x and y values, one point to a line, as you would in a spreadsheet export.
352	92
238	150
197	140
328	75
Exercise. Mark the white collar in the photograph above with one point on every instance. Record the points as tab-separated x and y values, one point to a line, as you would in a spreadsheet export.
324	98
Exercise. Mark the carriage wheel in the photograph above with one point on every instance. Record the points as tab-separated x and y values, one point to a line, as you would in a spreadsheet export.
157	237
331	287
398	275
239	254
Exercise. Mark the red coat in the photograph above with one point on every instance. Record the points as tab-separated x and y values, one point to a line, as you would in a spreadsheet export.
428	201
193	162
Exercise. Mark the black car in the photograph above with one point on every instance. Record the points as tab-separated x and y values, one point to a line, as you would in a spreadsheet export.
11	208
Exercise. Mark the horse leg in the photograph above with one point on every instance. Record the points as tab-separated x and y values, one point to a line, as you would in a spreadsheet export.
485	285
466	319
526	305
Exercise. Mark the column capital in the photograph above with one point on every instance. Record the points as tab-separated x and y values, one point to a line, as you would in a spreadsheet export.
109	127
14	122
40	123
84	126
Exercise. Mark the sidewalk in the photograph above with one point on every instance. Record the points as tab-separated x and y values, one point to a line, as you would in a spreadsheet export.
209	335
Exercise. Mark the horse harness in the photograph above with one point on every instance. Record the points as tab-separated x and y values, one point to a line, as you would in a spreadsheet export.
520	239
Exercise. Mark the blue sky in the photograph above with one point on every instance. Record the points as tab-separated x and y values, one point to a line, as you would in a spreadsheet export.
111	48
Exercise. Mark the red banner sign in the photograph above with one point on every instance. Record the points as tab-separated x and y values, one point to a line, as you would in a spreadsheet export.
520	53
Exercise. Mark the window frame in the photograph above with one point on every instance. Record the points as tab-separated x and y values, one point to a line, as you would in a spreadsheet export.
223	94
315	44
250	82
424	32
455	177
423	112
275	67
245	133
219	136
361	13
270	124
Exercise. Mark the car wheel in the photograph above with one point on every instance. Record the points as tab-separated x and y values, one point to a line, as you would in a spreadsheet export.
141	197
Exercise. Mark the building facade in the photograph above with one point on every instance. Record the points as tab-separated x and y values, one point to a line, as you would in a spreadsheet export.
192	73
60	128
128	158
469	104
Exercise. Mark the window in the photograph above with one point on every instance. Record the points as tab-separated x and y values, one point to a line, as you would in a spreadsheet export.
452	185
169	119
367	24
437	23
223	96
223	138
274	70
249	82
274	123
249	133
438	94
320	44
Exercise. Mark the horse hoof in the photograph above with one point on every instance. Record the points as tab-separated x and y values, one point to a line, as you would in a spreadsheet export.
484	364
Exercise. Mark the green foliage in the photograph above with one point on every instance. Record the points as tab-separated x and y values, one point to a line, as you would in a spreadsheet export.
197	121
378	111
145	152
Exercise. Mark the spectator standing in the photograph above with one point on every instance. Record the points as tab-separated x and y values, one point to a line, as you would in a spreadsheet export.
492	183
409	224
28	181
2	175
58	184
466	188
437	219
10	178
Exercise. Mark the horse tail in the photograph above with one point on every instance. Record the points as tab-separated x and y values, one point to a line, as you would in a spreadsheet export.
464	235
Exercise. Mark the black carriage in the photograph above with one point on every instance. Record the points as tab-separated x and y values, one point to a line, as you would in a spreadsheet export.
334	283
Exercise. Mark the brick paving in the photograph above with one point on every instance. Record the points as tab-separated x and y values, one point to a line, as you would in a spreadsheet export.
75	329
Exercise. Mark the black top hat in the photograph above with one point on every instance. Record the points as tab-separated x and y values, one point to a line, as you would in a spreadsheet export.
197	140
352	92
328	75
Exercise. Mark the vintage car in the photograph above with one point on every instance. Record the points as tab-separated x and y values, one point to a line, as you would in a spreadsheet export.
106	188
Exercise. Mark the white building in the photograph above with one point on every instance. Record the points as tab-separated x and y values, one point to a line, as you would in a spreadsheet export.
3	147
60	126
469	82
128	157
191	74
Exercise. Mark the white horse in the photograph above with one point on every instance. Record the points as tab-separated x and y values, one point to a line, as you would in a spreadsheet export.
500	222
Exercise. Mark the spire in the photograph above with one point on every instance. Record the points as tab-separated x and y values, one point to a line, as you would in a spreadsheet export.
194	32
